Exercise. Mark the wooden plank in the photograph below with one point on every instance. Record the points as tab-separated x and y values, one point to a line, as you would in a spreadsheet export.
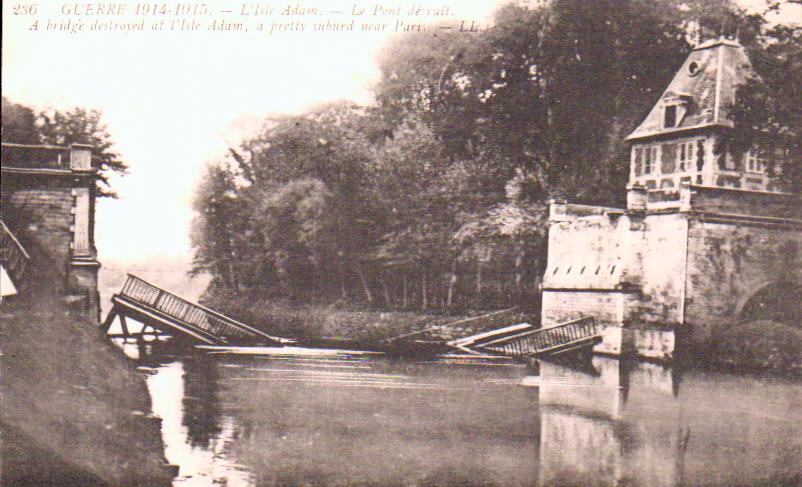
458	322
150	333
480	337
244	326
159	320
109	319
124	324
511	338
571	347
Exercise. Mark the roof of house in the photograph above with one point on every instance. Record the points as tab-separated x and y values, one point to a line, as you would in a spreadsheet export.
706	83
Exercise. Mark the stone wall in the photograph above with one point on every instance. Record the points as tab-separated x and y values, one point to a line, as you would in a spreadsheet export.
729	262
644	275
585	249
565	305
624	269
610	309
660	251
640	254
40	215
41	210
752	203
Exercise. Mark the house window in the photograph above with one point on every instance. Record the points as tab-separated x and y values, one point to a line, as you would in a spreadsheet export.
668	158
755	162
638	161
650	160
670	116
687	155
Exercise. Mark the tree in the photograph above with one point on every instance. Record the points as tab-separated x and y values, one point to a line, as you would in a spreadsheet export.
513	235
550	90
218	221
408	181
81	126
297	222
21	124
299	187
767	112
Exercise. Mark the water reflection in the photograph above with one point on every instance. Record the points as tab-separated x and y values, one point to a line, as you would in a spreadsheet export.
635	425
201	403
201	451
341	419
585	432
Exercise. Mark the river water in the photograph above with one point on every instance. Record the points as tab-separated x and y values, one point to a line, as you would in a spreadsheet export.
299	417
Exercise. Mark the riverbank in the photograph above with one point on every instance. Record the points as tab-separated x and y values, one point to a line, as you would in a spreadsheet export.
75	411
758	346
283	318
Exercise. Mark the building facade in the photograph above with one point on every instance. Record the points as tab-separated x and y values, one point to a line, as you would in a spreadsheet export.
706	241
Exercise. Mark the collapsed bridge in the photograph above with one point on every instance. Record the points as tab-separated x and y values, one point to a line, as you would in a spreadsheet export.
168	314
523	340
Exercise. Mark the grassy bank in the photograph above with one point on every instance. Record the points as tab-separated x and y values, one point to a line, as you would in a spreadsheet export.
293	320
75	412
762	345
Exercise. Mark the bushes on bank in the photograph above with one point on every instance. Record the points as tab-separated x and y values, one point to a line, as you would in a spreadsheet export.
760	345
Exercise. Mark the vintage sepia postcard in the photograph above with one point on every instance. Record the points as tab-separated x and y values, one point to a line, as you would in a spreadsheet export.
401	243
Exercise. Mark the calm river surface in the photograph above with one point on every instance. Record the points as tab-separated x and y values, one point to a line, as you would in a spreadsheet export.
334	418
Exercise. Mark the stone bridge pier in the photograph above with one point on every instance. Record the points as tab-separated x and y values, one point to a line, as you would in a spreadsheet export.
48	203
664	278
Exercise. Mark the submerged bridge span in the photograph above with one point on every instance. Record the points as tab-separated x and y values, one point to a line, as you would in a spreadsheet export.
523	340
168	314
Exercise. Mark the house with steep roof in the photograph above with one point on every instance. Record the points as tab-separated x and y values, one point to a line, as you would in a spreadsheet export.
706	241
684	128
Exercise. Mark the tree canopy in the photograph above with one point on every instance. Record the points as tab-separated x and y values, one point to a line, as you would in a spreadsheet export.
435	196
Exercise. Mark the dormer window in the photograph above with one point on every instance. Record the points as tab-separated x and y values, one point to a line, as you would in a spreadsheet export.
670	116
674	107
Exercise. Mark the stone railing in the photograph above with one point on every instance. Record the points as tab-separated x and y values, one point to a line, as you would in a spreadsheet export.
76	157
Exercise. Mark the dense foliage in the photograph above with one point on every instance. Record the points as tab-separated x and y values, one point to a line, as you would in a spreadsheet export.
23	125
436	195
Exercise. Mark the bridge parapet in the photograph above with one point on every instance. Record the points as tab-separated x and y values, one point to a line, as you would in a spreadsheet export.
75	158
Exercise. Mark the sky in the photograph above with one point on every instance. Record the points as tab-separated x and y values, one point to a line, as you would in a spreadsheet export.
174	101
